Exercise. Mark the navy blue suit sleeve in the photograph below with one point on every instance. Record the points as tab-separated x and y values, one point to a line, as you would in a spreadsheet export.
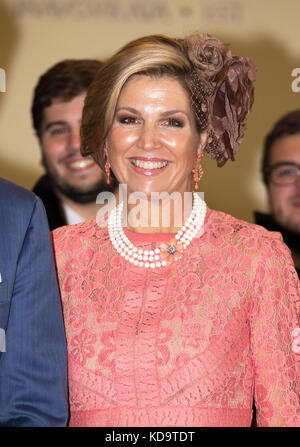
33	376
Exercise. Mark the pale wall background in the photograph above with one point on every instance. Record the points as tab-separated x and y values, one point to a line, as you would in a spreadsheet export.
34	34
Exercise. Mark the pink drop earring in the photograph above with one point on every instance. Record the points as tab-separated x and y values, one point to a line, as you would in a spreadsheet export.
107	166
197	171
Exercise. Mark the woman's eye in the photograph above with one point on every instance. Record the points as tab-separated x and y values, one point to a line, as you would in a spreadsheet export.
174	122
128	120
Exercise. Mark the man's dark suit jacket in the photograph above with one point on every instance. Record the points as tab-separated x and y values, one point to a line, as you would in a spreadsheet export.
33	359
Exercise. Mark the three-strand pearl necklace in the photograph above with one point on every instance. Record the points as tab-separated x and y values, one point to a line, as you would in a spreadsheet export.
166	253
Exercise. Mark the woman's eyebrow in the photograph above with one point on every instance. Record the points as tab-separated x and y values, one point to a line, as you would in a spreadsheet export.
171	112
128	109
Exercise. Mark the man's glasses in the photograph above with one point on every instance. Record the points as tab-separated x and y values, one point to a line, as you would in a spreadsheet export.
283	173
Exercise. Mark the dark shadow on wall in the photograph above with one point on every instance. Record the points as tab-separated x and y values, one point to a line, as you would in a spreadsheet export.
229	188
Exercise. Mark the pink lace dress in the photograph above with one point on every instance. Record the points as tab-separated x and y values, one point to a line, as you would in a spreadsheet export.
189	344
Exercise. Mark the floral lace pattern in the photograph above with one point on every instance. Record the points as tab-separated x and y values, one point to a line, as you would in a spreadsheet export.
189	344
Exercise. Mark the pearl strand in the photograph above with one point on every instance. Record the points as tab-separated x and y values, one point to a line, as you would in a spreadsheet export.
152	258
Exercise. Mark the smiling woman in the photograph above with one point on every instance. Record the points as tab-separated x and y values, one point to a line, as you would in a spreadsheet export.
153	142
175	324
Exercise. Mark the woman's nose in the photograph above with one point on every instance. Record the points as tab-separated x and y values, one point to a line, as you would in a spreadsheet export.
149	138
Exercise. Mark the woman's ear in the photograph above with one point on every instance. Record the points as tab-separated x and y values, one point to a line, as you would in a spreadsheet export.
202	142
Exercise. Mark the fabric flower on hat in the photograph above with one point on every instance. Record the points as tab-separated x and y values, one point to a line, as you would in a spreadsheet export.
229	106
207	54
226	84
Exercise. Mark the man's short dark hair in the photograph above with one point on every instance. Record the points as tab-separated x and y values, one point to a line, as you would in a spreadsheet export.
289	124
63	81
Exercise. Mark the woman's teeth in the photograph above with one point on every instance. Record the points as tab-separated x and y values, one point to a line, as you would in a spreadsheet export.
149	164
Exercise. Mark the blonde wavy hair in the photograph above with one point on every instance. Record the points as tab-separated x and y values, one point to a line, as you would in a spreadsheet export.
202	64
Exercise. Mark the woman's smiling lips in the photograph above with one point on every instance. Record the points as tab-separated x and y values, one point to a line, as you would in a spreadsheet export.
148	166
